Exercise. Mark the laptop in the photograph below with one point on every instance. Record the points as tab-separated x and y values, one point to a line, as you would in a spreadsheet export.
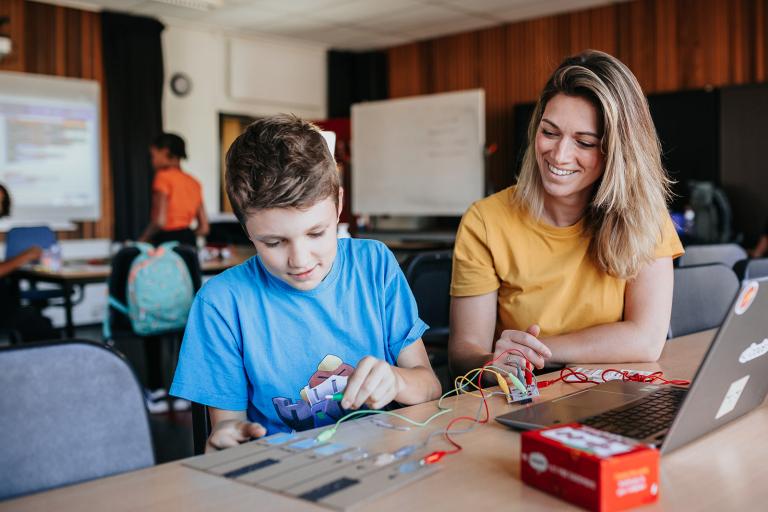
731	381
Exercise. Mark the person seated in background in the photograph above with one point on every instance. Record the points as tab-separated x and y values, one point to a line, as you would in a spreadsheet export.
27	321
177	197
574	263
269	342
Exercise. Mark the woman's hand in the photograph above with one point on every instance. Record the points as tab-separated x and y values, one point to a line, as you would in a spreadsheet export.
526	343
374	383
229	433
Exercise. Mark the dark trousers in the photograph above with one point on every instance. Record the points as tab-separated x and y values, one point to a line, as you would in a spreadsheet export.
28	321
153	352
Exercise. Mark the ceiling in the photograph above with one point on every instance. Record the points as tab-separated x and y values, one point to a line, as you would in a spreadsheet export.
345	24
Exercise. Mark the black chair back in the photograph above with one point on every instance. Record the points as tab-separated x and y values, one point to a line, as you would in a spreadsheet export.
727	254
701	298
201	427
71	411
751	269
429	276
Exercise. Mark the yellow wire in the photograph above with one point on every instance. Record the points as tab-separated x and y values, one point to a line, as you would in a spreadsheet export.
458	389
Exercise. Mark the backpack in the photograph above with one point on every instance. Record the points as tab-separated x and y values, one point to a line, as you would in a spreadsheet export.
159	292
712	213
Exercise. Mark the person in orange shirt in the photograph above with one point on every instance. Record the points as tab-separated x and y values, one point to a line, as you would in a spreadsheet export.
177	197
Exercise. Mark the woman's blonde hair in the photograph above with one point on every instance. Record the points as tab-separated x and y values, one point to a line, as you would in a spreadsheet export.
627	209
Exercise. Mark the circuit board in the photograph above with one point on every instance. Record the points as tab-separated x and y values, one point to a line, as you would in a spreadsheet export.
517	396
334	475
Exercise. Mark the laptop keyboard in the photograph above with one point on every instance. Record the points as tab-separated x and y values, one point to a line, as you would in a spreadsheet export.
642	418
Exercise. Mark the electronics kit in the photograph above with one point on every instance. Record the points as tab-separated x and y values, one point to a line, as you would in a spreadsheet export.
339	474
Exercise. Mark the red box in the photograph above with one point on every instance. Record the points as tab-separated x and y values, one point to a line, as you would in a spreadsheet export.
590	468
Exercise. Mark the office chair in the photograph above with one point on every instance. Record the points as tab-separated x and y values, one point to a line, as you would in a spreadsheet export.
727	254
72	411
701	298
429	276
751	269
201	427
18	240
117	286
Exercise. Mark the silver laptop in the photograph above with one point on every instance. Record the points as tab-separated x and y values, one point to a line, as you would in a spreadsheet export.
731	381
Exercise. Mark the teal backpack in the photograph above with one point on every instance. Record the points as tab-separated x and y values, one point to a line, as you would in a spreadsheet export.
159	292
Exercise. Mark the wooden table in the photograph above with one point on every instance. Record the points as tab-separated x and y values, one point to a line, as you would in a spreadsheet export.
725	470
74	274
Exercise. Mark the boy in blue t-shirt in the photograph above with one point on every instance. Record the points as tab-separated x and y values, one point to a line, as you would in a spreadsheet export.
310	316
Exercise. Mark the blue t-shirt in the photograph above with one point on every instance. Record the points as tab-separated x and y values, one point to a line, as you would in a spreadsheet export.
253	342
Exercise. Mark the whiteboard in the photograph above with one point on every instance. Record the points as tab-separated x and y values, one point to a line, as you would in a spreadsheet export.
418	156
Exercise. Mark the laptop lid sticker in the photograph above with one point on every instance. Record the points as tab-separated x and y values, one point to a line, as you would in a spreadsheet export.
754	351
732	397
747	296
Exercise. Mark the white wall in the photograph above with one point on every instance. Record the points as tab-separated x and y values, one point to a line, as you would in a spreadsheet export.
252	68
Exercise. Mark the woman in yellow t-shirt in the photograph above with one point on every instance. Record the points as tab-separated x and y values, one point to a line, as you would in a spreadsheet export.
574	263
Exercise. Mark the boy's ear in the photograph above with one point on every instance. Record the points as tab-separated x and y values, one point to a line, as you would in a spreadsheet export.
341	203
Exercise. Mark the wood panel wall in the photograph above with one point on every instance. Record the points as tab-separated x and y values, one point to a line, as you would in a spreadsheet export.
60	41
670	45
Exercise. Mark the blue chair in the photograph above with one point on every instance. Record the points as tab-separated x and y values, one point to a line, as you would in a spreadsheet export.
18	240
72	411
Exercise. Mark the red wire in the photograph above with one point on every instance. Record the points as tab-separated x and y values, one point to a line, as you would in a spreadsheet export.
649	379
625	376
437	455
457	447
581	377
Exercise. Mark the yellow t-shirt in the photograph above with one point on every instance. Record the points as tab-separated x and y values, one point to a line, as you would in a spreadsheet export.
544	274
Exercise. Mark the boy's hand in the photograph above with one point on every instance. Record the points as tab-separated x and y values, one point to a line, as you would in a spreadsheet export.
374	383
229	433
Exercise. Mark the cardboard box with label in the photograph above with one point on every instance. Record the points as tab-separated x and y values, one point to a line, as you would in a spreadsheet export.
590	468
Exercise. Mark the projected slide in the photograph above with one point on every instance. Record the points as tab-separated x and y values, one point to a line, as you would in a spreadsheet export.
49	147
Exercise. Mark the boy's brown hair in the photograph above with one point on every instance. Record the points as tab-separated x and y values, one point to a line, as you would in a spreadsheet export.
279	162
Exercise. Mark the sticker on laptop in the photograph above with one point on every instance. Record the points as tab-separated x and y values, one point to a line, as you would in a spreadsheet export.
746	297
732	397
754	351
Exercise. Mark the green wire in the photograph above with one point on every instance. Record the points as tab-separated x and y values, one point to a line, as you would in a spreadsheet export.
328	433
